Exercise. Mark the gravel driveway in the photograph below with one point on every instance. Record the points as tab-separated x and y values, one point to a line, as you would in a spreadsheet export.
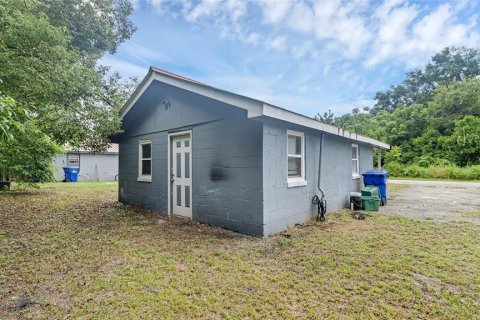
435	200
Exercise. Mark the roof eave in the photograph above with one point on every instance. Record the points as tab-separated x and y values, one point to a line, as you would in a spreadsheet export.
254	107
293	117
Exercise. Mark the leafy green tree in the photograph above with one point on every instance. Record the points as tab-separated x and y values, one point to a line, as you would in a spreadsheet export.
26	150
96	26
54	81
395	154
430	146
356	123
27	158
326	117
10	117
49	53
450	65
456	100
465	140
431	116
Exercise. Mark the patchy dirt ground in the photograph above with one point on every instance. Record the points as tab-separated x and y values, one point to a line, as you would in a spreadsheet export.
435	200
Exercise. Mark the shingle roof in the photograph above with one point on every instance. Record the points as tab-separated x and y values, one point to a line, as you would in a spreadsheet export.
112	148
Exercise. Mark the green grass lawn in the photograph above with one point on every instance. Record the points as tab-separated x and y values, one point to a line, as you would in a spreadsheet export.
70	251
430	179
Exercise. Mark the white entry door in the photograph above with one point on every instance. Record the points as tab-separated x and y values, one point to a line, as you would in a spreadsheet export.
181	174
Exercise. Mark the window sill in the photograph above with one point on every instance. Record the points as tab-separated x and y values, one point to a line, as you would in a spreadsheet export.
144	179
293	183
355	176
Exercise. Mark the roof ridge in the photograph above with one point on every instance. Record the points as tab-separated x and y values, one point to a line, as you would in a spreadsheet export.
175	75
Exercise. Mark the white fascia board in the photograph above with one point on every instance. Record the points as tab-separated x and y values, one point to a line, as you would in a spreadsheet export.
252	106
289	116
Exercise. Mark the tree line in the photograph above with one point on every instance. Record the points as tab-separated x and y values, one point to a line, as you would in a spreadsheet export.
432	118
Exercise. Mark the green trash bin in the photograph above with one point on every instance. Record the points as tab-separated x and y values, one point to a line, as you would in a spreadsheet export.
370	198
371	203
371	191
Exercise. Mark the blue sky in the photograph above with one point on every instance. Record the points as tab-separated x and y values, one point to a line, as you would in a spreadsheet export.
305	55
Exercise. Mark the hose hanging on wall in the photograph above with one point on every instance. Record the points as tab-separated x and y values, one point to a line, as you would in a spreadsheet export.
321	203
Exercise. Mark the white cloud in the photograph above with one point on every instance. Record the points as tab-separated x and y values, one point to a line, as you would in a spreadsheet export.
408	34
301	17
343	25
274	11
278	43
309	43
236	8
252	38
304	49
394	20
157	4
204	8
339	22
371	31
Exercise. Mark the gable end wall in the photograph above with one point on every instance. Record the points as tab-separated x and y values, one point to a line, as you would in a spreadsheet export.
226	158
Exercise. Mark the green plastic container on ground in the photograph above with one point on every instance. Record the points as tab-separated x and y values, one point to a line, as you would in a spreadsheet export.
371	203
371	191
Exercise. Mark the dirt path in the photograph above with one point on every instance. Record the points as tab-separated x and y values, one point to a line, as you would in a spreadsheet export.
435	200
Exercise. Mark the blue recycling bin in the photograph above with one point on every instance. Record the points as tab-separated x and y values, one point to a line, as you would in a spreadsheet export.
71	174
377	178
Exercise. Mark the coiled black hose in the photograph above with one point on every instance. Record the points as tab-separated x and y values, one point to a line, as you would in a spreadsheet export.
321	207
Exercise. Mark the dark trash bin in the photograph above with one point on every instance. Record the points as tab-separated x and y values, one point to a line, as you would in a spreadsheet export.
71	174
356	201
377	178
5	185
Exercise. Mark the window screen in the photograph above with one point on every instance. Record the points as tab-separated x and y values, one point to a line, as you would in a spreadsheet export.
145	161
295	155
73	160
355	164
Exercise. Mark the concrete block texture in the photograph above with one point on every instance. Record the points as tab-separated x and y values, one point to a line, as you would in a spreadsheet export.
226	158
284	206
227	174
239	165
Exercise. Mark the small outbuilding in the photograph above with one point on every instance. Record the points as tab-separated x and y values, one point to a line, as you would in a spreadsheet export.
228	160
94	166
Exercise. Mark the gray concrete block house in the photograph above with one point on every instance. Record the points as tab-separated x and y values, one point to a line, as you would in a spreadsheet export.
228	160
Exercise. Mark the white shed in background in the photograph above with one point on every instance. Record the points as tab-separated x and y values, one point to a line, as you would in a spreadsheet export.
101	166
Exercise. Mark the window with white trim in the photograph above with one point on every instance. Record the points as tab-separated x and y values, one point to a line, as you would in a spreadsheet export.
145	161
296	158
73	160
355	162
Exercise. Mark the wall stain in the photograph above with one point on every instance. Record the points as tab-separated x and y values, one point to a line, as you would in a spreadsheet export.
218	172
